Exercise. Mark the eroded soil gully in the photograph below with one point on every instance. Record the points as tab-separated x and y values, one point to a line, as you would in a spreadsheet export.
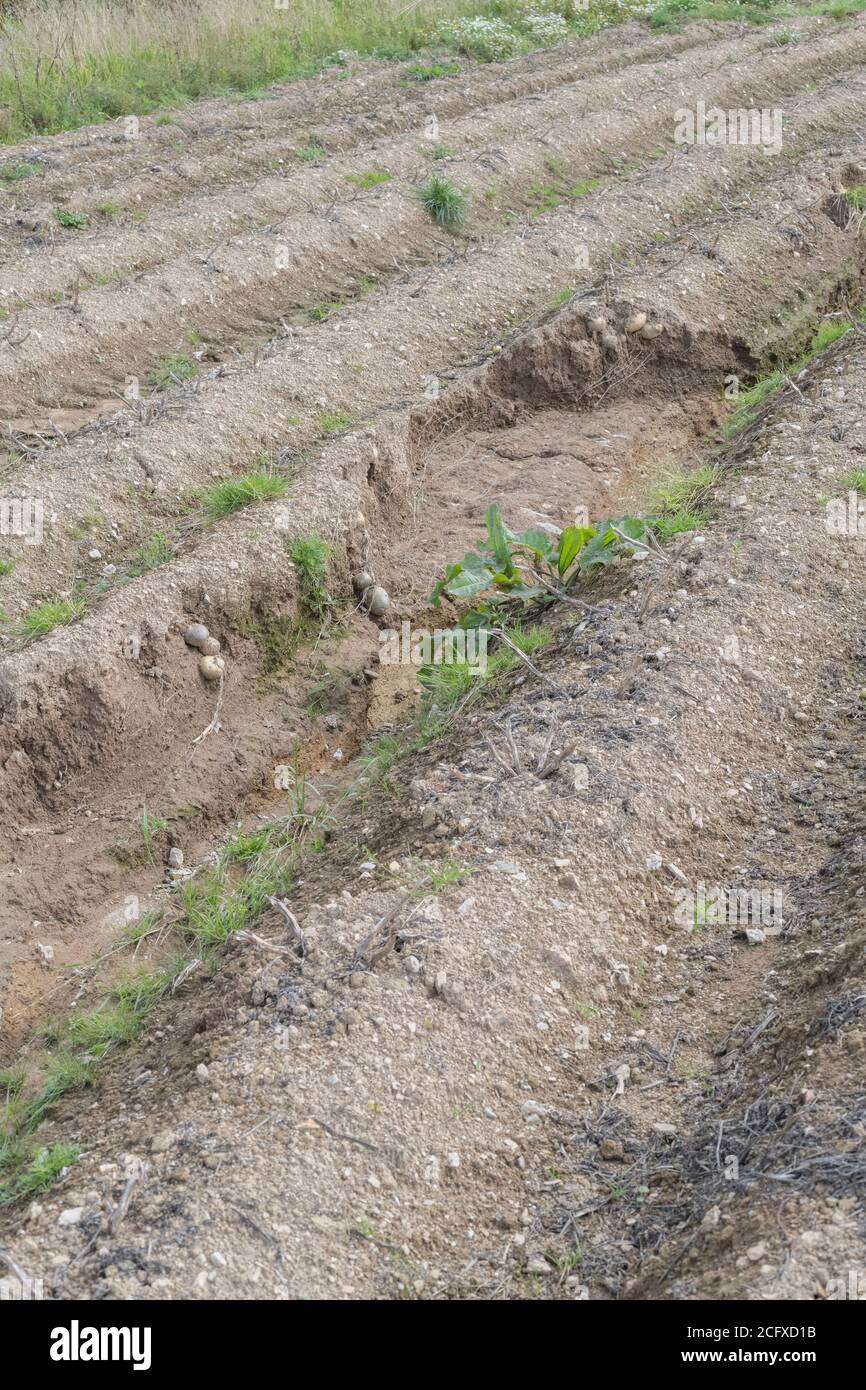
513	1102
121	331
73	707
129	479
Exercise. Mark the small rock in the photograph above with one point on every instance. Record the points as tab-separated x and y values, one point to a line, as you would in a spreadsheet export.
195	634
754	936
202	1072
71	1216
537	1264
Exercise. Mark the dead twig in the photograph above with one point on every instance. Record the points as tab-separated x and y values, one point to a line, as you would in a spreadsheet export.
291	922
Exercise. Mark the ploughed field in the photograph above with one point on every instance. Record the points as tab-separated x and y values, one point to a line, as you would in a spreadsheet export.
248	331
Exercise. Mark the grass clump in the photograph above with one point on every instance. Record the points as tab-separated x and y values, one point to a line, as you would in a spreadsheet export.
371	179
228	495
682	492
311	556
6	566
446	204
172	371
156	551
857	197
44	617
13	173
77	221
334	421
312	153
678	504
750	403
31	1170
421	72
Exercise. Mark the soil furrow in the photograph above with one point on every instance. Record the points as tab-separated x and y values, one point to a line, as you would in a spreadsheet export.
62	355
539	1070
96	164
72	705
138	480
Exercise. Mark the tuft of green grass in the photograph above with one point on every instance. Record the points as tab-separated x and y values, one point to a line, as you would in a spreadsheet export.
312	152
243	848
682	492
448	682
419	72
371	179
443	876
561	297
310	556
13	173
666	527
855	480
6	566
35	1170
76	220
321	312
229	495
446	204
171	371
580	189
95	1032
156	551
334	421
44	617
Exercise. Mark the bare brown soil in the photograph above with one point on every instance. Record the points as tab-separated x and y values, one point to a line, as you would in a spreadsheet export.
449	1122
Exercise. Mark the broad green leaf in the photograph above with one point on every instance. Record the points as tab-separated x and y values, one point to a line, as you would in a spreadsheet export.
497	537
537	541
468	583
571	543
595	553
631	526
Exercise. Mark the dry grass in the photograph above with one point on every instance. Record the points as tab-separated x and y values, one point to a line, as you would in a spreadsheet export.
64	63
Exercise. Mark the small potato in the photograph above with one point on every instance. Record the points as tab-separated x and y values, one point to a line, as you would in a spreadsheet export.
377	600
211	667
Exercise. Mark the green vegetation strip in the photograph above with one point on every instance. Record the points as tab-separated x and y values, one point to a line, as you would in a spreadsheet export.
63	65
